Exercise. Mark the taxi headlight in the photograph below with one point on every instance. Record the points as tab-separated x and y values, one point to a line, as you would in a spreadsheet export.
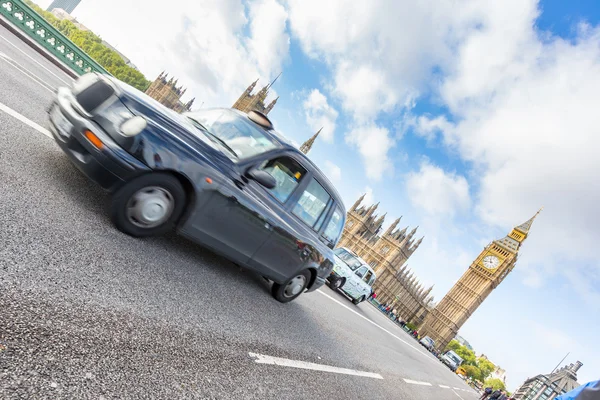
133	126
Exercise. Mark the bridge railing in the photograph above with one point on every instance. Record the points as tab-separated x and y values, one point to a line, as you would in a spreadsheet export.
47	36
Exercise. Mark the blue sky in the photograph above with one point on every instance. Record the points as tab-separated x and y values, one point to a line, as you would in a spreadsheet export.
463	117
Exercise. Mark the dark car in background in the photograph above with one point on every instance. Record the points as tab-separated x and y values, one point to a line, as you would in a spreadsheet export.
220	177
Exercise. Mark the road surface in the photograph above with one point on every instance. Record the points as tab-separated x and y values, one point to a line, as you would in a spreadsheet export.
88	312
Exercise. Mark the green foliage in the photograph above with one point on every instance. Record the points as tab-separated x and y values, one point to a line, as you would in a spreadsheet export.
495	383
467	355
92	45
486	367
472	372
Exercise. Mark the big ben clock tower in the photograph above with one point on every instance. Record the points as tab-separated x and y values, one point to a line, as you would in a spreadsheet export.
485	273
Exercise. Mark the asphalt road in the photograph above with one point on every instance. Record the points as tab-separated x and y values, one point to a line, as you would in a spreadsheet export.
88	312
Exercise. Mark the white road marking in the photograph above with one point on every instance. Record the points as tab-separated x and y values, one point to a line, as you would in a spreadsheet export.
457	395
417	382
25	120
444	386
27	73
35	61
284	362
380	327
455	388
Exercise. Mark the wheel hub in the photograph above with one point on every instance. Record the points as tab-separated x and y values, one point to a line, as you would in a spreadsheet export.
294	286
150	206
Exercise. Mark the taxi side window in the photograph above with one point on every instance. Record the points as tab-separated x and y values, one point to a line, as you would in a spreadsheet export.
333	229
372	281
287	173
312	203
361	271
367	276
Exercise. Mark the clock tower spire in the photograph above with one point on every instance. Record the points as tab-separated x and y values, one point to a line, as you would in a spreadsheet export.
488	270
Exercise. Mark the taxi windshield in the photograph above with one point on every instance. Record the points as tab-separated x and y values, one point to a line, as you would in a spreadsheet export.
351	261
241	137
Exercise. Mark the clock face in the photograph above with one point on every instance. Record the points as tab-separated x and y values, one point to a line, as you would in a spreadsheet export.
491	262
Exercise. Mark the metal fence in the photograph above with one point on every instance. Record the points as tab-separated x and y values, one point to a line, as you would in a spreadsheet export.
47	36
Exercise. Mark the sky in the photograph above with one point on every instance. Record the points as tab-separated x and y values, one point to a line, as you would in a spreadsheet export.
463	116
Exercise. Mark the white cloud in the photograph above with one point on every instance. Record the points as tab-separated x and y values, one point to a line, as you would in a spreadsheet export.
377	67
319	114
527	121
436	191
270	43
204	43
333	172
373	143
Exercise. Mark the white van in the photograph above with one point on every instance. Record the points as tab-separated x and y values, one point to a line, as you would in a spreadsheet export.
352	275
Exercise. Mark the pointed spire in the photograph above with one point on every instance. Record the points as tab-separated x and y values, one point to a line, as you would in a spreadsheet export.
372	209
306	146
525	226
357	203
401	233
393	226
271	105
274	80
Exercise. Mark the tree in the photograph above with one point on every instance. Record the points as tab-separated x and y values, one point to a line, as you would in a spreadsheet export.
472	372
494	383
486	367
463	352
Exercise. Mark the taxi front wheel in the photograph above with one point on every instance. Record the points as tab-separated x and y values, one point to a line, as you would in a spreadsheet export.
337	283
291	288
359	300
148	205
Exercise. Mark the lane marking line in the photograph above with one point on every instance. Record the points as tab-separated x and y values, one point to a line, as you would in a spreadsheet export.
25	120
444	386
35	61
27	73
457	395
380	327
284	362
455	388
417	382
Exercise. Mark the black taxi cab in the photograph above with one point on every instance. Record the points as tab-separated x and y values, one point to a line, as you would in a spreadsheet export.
220	177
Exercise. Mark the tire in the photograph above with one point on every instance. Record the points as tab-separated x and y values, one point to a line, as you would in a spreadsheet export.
360	300
337	283
292	288
149	205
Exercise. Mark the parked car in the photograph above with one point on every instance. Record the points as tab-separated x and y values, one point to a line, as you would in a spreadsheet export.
220	177
352	275
427	342
451	360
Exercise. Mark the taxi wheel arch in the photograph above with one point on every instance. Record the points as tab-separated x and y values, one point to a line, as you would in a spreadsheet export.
164	184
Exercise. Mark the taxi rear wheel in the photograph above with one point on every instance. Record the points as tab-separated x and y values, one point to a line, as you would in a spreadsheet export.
148	205
292	288
359	300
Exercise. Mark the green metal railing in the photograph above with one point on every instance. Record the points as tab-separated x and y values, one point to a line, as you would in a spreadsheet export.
50	38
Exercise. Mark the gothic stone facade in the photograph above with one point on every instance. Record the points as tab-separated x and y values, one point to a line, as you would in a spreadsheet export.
255	102
550	386
396	284
488	270
168	94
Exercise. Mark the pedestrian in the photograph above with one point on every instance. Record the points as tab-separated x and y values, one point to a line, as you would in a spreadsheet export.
495	395
486	393
503	396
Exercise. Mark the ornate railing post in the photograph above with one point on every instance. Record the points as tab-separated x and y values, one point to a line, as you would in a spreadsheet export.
50	38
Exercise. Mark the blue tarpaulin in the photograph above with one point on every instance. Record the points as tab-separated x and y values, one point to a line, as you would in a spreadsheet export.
589	391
